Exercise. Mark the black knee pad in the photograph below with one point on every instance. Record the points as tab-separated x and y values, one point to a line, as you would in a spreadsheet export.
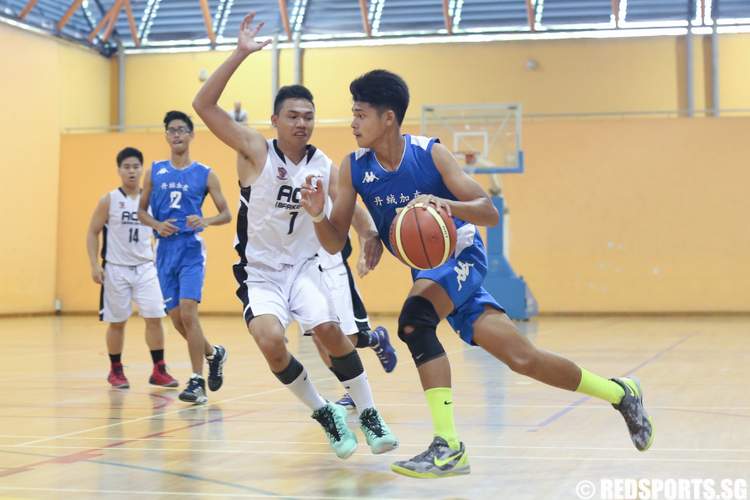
419	314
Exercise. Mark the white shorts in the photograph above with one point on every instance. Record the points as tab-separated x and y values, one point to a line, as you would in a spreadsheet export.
337	279
293	293
126	284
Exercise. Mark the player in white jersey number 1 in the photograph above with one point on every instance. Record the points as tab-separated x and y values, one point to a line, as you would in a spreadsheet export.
127	273
278	274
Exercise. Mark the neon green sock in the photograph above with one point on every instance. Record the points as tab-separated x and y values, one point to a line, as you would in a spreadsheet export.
599	387
440	401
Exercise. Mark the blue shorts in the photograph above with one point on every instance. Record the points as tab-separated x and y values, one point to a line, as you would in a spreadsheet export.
462	277
181	265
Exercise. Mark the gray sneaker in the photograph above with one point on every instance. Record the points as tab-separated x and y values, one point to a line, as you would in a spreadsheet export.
440	460
216	367
631	406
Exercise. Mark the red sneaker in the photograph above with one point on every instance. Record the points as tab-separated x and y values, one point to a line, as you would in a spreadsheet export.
117	377
161	377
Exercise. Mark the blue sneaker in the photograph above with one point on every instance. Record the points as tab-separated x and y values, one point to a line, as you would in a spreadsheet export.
347	402
195	392
384	350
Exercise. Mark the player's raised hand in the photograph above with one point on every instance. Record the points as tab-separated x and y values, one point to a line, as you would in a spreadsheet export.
166	228
246	38
313	195
97	274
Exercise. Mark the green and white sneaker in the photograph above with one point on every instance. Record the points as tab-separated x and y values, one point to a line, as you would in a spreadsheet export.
379	436
440	460
631	407
332	418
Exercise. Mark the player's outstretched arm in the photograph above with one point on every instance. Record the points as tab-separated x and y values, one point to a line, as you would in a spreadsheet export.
98	219
246	141
223	217
165	228
473	205
370	244
331	232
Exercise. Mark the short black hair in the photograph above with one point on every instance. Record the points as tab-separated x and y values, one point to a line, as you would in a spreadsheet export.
129	153
383	90
291	92
177	115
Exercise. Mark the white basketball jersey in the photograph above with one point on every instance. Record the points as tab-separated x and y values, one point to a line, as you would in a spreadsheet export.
325	259
273	229
127	242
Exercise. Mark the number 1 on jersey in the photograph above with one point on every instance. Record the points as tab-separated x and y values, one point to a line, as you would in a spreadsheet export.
291	222
174	199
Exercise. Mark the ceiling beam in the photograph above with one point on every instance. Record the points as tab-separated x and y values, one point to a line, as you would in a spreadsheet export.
131	23
113	20
68	14
447	17
616	12
207	21
531	14
104	20
285	19
27	8
365	18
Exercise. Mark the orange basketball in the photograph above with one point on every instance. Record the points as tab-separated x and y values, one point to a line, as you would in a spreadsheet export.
423	236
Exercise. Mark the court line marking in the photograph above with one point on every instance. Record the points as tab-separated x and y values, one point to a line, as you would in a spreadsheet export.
170	439
149	417
193	493
362	453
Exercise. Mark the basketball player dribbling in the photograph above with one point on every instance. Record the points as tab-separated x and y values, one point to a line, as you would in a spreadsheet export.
391	171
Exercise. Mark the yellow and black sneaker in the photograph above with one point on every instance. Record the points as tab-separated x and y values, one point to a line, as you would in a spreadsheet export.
631	406
440	460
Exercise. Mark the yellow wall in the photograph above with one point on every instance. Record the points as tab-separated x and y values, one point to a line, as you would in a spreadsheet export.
47	86
612	216
638	74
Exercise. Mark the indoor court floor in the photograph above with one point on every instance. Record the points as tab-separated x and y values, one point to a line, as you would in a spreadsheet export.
66	434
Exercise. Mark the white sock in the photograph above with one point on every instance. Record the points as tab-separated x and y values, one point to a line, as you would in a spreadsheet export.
196	375
211	356
303	388
359	389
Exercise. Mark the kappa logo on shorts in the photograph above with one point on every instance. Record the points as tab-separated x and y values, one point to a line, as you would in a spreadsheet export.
161	171
462	272
369	177
282	174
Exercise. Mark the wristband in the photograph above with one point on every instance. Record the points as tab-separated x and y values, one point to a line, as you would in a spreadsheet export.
319	217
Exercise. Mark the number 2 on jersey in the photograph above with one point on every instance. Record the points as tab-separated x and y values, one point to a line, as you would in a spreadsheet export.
174	199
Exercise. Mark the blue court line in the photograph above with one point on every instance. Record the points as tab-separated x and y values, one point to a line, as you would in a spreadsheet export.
579	402
183	475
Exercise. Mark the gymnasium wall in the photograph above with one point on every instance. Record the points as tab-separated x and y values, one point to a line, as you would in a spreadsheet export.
47	85
574	76
612	216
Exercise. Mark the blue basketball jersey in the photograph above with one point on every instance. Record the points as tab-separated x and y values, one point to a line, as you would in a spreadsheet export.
177	193
384	191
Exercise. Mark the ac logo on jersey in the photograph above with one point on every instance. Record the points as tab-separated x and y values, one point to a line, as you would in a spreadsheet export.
288	197
369	177
281	174
129	217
